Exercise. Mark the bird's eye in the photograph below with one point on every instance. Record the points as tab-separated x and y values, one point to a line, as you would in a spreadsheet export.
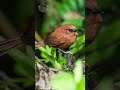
70	30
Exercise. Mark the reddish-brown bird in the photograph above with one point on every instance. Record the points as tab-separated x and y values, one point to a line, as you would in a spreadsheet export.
62	37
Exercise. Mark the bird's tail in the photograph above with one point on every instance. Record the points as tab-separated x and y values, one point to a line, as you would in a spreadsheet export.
7	45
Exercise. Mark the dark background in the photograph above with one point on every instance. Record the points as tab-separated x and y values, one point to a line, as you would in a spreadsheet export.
104	55
17	67
104	59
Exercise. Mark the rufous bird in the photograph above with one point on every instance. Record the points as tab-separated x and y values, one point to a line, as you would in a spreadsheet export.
62	37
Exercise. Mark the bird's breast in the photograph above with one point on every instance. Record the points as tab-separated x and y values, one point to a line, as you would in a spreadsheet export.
68	42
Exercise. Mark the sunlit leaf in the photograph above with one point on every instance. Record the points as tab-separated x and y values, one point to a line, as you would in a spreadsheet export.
63	81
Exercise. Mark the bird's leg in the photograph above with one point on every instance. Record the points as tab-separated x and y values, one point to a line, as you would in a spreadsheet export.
65	52
57	53
69	59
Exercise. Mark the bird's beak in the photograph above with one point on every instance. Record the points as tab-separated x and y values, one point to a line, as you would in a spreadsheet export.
76	32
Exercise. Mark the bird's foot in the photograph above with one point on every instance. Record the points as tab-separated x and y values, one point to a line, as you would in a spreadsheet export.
65	52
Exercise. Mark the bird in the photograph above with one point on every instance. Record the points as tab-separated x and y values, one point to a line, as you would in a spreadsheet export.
61	38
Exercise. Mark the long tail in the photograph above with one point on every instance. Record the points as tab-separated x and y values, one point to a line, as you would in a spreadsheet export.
7	45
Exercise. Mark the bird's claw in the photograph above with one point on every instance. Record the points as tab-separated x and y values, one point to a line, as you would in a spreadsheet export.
65	52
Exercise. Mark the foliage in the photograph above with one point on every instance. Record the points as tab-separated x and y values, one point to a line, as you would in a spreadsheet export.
24	67
69	81
49	55
55	16
17	65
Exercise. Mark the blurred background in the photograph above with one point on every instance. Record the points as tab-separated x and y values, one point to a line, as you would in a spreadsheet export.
17	66
104	55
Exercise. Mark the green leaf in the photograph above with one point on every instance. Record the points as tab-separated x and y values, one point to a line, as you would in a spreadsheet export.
53	52
42	49
63	81
61	60
48	57
78	45
57	65
81	84
78	71
48	49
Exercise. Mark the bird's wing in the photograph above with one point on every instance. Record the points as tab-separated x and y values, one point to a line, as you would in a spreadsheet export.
55	40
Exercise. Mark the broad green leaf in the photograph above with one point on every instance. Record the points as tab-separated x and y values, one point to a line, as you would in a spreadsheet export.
57	65
63	81
78	71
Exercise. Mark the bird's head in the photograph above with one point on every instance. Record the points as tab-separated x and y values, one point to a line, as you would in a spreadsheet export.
70	29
